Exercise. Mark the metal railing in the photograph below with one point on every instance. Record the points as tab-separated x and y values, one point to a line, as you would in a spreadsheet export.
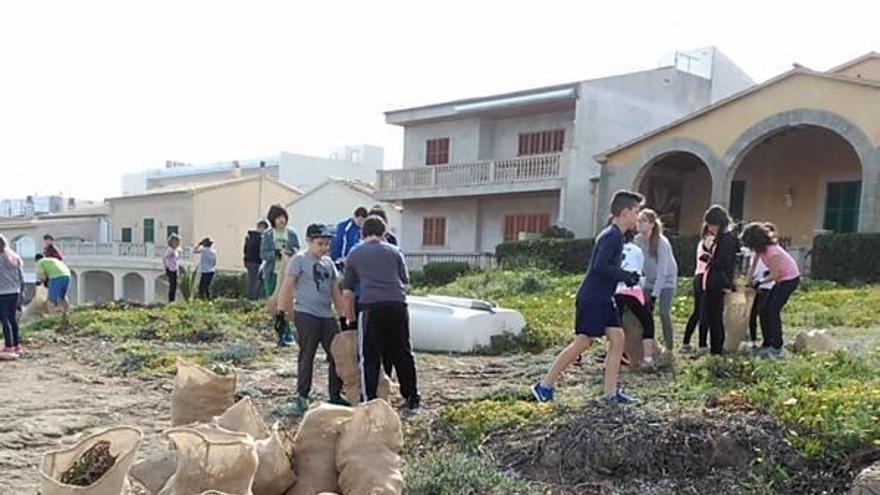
523	169
417	261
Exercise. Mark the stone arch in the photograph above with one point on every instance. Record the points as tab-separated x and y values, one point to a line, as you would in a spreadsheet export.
98	286
134	287
161	290
869	156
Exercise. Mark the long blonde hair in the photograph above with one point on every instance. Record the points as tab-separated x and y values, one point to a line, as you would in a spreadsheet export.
654	240
6	252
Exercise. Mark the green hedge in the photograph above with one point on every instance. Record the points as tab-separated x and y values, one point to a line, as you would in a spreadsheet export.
847	258
442	273
685	250
566	255
229	285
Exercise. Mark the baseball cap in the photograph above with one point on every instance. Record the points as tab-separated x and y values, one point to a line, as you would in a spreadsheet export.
318	230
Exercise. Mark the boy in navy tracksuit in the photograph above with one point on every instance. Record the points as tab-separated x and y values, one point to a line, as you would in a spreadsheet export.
595	311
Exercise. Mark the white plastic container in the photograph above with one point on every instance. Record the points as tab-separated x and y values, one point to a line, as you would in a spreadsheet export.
439	323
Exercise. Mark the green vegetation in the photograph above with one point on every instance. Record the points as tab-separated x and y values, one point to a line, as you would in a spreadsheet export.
452	472
473	420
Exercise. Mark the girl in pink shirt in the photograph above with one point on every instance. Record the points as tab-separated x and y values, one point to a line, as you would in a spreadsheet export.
783	271
704	248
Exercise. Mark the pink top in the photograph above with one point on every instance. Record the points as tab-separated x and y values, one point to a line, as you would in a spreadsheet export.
788	269
701	265
635	292
172	259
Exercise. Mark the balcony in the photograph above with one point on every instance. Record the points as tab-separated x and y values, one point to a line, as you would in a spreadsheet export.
117	255
525	174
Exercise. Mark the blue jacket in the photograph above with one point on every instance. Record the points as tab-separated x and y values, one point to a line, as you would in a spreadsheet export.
347	236
267	248
604	271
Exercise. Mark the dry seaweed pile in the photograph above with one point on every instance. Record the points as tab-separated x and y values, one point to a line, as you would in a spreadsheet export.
94	463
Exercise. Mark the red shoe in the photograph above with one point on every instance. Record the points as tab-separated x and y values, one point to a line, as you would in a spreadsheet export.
19	349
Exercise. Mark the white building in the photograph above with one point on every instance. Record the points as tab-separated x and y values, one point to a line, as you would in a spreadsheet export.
335	200
480	171
301	171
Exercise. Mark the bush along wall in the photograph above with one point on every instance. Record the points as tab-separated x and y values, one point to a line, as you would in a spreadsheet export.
566	255
847	258
229	285
441	273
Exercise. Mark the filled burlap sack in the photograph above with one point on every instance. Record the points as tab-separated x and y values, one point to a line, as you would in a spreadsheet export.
275	472
814	341
124	444
199	394
736	320
632	329
345	354
368	451
210	458
867	482
314	450
155	471
37	306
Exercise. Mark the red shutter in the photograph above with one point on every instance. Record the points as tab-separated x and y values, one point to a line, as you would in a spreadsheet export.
434	231
538	143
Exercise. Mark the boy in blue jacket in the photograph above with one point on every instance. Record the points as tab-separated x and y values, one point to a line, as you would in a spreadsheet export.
595	311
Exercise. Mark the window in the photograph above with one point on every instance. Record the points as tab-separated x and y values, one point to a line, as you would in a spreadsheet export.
126	234
538	143
531	223
171	229
437	152
842	206
737	199
149	230
434	231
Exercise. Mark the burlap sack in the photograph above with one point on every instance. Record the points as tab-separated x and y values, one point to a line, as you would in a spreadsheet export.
345	354
736	320
155	471
274	472
367	452
124	444
314	450
199	394
632	329
814	341
211	458
37	306
867	482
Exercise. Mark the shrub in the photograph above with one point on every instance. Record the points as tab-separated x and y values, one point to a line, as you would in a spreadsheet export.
417	278
847	258
566	255
473	420
557	232
444	272
230	285
449	472
685	250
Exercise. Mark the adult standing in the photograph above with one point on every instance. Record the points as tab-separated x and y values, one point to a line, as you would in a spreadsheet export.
11	289
252	260
172	265
347	236
661	269
720	273
384	322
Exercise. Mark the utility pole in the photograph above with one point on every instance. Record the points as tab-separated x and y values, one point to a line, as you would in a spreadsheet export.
260	199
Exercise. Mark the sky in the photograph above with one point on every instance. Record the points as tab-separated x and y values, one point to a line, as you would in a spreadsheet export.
90	90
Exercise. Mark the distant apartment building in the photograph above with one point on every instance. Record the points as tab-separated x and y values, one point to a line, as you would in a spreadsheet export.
301	171
39	205
480	171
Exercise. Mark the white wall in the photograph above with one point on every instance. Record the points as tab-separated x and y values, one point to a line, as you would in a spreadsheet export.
461	224
493	209
307	172
333	203
463	137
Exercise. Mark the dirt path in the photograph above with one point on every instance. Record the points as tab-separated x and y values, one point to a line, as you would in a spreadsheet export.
58	394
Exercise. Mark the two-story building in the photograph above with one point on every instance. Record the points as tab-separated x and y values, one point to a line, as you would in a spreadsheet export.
480	171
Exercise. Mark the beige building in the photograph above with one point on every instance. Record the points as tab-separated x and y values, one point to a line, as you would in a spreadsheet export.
222	210
800	150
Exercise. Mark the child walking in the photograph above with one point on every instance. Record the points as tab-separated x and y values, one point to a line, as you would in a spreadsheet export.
784	273
595	311
661	269
207	265
172	265
634	299
313	282
720	273
697	318
758	271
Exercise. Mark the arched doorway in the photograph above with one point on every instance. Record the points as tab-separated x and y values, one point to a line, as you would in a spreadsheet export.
133	288
803	178
97	287
678	185
162	288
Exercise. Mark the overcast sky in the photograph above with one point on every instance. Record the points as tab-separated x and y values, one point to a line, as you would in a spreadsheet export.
92	89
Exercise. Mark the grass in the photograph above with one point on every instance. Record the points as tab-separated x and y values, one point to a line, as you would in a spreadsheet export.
474	420
453	472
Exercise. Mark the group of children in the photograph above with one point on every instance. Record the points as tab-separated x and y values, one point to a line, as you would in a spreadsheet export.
635	272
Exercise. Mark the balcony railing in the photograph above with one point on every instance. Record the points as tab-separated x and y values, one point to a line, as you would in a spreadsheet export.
417	261
525	169
118	249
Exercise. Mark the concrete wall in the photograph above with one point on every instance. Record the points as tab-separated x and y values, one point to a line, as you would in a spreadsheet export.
804	160
306	172
867	69
506	131
226	213
727	77
332	203
463	134
611	111
165	209
473	225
